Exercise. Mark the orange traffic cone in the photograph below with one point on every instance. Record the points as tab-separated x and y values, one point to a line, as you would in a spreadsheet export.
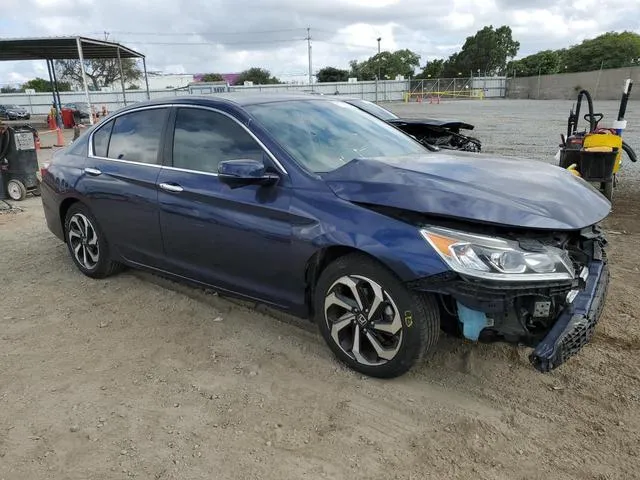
60	138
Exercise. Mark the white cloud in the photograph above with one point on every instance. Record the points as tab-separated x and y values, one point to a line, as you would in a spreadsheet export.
232	35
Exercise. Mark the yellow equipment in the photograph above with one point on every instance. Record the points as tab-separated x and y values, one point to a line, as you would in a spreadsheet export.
604	141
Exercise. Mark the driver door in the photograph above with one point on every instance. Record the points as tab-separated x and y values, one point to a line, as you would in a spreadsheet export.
237	239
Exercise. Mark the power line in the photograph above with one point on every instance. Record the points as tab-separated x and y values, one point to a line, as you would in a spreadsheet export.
218	43
178	34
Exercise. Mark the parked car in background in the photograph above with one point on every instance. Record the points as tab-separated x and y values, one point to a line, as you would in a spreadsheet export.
14	112
311	205
431	132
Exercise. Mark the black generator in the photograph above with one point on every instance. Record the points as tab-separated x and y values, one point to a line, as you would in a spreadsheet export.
18	162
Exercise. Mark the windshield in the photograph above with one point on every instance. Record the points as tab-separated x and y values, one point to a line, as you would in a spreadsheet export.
12	107
374	109
324	135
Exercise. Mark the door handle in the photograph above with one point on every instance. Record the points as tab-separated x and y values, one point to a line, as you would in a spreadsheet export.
169	187
92	171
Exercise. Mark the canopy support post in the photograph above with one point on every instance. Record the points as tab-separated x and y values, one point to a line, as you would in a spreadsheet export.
146	78
84	79
124	95
56	89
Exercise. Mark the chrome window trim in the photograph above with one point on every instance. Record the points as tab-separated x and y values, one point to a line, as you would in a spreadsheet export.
183	105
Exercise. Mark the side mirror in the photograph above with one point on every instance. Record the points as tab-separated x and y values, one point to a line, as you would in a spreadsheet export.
238	173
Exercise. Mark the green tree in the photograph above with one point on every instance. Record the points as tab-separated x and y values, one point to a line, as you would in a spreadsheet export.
42	85
546	62
332	74
9	89
387	65
100	72
212	77
488	51
432	69
259	76
610	50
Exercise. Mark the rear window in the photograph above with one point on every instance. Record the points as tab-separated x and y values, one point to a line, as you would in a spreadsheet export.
101	139
136	136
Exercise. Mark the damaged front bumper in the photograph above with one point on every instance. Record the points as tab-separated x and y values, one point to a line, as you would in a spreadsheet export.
489	311
576	324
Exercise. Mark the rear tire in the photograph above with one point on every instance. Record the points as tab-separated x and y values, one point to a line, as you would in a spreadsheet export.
87	243
607	190
16	190
370	320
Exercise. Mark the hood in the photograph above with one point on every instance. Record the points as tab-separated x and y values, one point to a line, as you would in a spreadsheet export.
472	186
455	124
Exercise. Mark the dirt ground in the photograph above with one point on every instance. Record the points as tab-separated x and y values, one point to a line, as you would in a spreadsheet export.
139	377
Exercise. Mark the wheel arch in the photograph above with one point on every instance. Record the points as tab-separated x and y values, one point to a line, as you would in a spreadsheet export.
316	264
65	205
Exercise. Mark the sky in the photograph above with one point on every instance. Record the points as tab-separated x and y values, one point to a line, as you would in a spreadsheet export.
196	36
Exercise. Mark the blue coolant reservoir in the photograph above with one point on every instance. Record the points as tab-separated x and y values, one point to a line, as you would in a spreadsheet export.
472	321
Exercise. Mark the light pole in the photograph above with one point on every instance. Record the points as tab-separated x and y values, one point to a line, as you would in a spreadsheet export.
378	76
379	38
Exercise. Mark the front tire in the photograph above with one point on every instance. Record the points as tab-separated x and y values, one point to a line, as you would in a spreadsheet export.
87	243
370	320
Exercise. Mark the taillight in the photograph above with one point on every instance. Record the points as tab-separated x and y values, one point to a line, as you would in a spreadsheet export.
44	168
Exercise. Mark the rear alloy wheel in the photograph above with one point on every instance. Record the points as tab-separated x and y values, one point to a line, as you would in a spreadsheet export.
370	320
86	243
16	190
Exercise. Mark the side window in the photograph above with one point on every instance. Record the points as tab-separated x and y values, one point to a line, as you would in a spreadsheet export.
136	136
101	139
204	138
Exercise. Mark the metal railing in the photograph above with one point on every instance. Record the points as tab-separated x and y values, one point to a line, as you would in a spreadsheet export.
461	87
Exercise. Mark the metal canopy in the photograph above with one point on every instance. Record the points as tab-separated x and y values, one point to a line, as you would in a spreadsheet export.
69	48
61	48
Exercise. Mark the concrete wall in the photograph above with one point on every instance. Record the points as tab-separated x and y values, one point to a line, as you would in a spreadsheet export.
40	103
603	85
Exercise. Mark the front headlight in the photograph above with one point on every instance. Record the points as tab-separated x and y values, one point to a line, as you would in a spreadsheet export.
495	258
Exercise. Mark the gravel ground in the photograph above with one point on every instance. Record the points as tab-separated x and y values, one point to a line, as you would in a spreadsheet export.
140	377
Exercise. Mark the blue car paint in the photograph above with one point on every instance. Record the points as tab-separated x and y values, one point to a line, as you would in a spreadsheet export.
258	241
472	186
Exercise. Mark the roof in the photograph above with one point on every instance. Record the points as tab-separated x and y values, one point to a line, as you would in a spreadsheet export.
234	98
61	48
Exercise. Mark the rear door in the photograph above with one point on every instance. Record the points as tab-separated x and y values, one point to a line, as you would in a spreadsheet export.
120	182
237	239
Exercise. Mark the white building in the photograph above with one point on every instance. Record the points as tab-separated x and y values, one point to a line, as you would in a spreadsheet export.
157	81
161	81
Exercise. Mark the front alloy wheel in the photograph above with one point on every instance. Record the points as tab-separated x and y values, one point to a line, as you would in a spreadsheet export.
370	320
363	319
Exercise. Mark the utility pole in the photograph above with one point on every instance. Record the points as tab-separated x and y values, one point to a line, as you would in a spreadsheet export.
310	65
378	76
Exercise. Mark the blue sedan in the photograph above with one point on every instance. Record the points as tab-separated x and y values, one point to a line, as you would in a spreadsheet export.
310	205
